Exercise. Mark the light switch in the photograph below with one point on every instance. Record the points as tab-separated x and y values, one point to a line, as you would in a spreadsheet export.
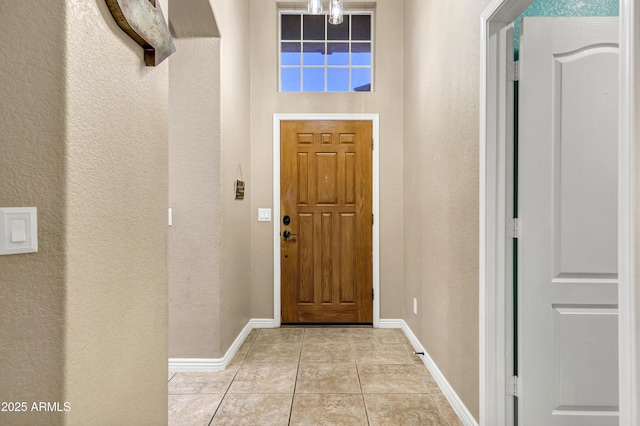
264	215
18	230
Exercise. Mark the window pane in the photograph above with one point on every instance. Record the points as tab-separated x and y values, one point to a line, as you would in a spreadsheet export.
338	53
361	27
361	54
361	79
338	80
290	54
339	32
313	54
313	27
290	27
290	79
319	57
313	79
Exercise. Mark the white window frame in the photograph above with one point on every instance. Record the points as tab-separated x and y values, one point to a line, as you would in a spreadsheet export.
326	66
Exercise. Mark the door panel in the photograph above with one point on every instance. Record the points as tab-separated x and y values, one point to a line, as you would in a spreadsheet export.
326	189
568	208
585	163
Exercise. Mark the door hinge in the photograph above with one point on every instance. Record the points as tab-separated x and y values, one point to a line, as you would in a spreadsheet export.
513	70
373	219
512	386
373	294
514	228
372	144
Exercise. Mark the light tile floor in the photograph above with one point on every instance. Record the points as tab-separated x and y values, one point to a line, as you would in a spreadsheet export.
314	376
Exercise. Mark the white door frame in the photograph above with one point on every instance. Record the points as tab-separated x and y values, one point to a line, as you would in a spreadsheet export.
375	122
629	215
494	340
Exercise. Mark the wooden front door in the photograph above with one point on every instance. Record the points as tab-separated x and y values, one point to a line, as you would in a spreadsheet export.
326	221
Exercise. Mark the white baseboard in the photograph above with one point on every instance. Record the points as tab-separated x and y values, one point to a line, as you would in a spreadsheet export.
219	364
196	365
263	323
456	403
391	323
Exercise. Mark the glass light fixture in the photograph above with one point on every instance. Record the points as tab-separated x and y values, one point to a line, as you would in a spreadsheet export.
335	12
315	7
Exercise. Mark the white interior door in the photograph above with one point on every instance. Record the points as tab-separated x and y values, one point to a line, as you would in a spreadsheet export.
568	178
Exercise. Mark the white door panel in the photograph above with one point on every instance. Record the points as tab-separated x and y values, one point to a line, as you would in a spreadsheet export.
586	160
568	209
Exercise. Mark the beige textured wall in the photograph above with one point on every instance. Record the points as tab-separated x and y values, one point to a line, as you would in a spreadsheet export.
85	140
32	162
192	18
209	131
441	185
116	213
195	239
231	16
385	100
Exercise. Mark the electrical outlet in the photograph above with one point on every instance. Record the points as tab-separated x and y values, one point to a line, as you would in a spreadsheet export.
415	306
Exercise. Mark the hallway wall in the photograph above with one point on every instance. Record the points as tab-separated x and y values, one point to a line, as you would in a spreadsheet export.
386	100
209	243
440	183
85	140
33	147
194	245
233	24
116	217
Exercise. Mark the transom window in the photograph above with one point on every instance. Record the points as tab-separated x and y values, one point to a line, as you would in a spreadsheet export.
316	56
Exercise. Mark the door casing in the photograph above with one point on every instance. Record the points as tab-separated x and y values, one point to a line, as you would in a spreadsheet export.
375	123
493	219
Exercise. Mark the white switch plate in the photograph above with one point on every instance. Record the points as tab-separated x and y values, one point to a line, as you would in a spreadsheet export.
18	230
264	215
415	306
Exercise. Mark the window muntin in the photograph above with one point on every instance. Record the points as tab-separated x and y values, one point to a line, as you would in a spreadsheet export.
316	56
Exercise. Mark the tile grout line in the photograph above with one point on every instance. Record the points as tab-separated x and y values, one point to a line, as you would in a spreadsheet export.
226	392
364	402
295	383
440	410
